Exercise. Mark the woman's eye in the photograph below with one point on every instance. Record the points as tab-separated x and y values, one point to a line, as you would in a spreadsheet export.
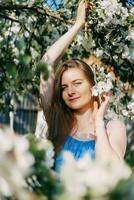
78	83
63	88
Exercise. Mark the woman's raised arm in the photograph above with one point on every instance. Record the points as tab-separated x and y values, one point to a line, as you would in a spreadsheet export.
56	51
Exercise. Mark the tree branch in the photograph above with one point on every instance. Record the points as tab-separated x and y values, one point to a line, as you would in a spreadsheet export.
9	18
38	10
21	24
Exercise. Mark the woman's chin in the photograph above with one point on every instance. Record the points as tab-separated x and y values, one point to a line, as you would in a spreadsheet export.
75	106
79	108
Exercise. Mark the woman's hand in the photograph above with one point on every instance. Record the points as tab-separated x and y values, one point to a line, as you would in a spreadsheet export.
99	112
81	12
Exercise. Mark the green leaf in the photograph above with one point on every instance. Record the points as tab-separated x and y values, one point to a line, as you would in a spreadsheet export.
25	59
11	69
42	67
20	44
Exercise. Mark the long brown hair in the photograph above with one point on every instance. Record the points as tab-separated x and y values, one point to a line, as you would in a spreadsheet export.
60	117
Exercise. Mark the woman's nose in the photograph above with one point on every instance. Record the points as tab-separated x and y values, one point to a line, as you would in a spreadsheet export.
71	90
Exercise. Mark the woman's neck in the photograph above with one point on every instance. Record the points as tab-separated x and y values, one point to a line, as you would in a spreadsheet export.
84	119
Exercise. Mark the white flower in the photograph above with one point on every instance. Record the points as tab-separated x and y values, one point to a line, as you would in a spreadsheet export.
6	33
94	91
109	75
15	51
4	187
112	9
26	34
16	61
130	34
5	144
125	112
34	53
15	28
79	39
124	13
49	158
1	39
103	82
15	161
101	69
71	178
46	145
99	52
130	106
31	2
23	158
132	10
101	86
108	86
86	175
126	53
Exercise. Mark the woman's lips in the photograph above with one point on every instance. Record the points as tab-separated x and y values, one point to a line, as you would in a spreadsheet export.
73	99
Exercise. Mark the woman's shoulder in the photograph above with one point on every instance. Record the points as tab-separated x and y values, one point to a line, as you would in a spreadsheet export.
116	129
115	124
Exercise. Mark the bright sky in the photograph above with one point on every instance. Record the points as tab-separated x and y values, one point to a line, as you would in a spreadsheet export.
54	4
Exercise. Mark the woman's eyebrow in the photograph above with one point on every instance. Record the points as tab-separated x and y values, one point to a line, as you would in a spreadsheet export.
79	79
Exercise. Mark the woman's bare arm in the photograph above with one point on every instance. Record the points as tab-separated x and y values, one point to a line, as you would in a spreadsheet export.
56	51
111	143
110	140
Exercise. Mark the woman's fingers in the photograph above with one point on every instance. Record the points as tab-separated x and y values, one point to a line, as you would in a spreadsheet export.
100	110
104	104
104	97
95	105
86	4
95	109
89	4
81	13
83	7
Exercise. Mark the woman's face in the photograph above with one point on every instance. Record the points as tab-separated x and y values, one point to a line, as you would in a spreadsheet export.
76	89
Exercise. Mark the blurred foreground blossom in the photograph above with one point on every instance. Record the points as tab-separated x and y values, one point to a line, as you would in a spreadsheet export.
43	143
15	162
87	178
47	147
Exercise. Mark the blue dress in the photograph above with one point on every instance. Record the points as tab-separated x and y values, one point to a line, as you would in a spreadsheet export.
77	147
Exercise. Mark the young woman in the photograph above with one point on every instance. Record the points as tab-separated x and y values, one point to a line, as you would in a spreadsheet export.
74	122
